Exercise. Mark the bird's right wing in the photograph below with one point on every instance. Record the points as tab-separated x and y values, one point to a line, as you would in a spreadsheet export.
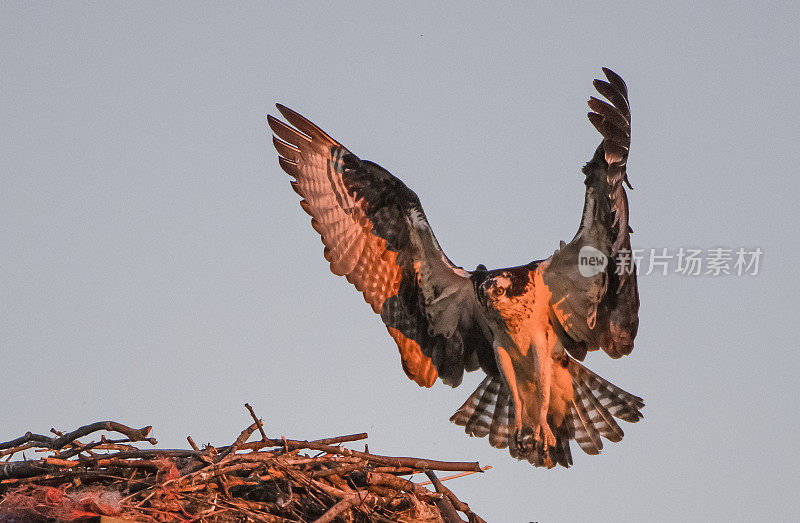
376	235
595	301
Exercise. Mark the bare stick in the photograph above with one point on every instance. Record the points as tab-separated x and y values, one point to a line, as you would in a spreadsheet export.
340	439
22	469
243	437
28	437
415	463
258	422
132	434
454	476
345	503
457	503
445	506
409	462
59	442
13	450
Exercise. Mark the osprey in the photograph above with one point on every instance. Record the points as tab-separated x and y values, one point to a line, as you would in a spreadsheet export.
526	327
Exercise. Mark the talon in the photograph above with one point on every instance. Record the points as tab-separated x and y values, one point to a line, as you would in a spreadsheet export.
544	436
520	436
518	441
549	438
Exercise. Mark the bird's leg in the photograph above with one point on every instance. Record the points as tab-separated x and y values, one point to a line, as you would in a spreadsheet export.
543	341
543	432
507	368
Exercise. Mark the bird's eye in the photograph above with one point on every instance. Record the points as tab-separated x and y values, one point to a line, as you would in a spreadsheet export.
500	291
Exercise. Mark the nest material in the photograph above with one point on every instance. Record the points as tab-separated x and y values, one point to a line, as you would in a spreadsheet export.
270	480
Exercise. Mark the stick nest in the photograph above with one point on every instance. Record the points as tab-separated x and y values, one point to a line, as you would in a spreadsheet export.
272	480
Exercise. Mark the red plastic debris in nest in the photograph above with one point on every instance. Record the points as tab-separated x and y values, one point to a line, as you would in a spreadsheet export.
36	502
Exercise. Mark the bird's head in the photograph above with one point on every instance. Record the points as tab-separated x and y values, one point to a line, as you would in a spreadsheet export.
494	290
504	292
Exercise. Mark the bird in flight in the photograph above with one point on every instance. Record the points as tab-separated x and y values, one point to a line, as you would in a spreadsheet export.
526	327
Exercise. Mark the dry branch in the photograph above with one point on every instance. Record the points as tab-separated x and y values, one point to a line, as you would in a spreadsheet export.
270	479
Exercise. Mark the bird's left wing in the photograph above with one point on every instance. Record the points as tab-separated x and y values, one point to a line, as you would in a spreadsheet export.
376	235
592	280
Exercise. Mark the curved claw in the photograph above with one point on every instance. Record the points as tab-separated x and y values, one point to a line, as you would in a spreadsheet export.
522	436
544	436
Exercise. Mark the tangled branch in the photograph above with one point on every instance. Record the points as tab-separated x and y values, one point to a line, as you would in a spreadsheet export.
269	479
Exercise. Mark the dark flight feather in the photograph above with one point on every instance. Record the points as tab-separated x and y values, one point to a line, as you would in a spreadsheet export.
376	235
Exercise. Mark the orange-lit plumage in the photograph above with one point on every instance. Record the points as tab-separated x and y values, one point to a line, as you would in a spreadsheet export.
524	326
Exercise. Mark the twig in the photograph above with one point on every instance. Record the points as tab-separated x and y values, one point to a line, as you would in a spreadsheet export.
340	439
344	504
131	434
457	503
259	424
58	442
13	450
459	475
27	437
446	507
243	437
415	463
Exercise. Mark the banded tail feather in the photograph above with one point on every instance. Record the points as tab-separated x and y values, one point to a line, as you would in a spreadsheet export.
590	417
490	411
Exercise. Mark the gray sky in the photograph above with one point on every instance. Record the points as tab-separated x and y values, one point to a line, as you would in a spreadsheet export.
157	269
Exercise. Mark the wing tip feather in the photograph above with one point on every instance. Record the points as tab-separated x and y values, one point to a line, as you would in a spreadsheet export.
305	125
616	80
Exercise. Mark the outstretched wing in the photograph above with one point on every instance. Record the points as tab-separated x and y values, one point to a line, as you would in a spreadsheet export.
597	306
376	235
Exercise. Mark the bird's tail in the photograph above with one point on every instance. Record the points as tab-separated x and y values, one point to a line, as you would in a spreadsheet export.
596	402
490	411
